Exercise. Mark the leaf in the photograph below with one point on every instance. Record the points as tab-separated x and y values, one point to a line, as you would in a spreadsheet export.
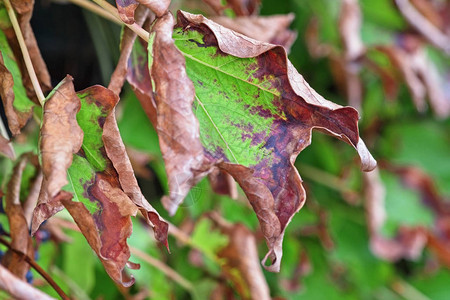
24	11
269	29
101	208
126	46
61	136
256	114
103	213
176	125
159	7
20	237
241	262
426	28
116	152
126	10
138	76
6	148
349	28
244	7
222	183
419	73
18	107
408	241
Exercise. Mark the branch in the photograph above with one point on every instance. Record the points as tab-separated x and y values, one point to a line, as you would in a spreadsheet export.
17	288
25	54
134	27
38	269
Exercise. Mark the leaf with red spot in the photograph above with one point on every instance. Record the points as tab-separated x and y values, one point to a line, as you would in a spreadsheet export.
255	114
104	189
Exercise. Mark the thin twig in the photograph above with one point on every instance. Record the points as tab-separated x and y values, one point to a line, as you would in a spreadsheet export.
25	54
38	269
171	273
407	291
113	11
18	288
96	10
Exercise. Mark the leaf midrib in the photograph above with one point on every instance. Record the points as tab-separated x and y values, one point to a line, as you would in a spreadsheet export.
226	73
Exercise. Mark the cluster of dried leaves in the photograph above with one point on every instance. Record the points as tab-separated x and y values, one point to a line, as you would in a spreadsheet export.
82	164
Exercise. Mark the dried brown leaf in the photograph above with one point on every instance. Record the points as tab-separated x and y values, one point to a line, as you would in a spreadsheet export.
420	75
126	10
115	149
24	9
20	236
61	136
138	76
349	30
270	29
112	252
33	196
275	200
241	264
408	243
16	119
222	183
159	7
177	126
244	7
126	46
216	5
6	147
424	26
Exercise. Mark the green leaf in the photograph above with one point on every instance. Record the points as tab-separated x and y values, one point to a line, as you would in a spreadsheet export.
256	114
22	103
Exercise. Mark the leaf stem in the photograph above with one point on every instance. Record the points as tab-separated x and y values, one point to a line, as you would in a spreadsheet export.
134	27
38	268
25	54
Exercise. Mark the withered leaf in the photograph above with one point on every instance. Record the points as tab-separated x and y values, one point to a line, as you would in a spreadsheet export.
117	153
60	135
159	7
349	29
241	262
270	29
222	183
409	241
126	10
24	9
6	148
20	236
244	7
138	76
256	113
126	46
176	125
101	207
419	73
426	28
18	107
